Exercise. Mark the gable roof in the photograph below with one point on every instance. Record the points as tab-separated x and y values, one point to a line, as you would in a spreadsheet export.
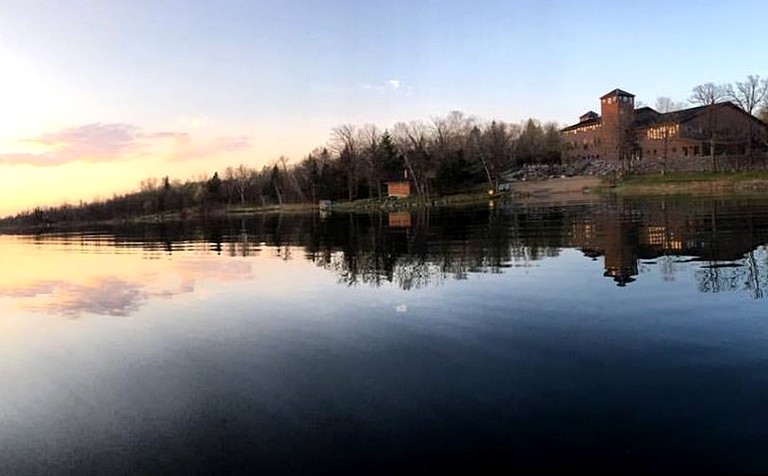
617	92
645	116
682	115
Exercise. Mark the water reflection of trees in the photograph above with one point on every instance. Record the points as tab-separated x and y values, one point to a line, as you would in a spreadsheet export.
436	245
748	274
719	239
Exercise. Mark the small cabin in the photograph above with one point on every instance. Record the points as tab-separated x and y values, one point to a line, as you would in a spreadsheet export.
399	185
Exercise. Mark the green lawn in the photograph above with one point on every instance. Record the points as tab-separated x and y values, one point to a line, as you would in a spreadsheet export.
683	177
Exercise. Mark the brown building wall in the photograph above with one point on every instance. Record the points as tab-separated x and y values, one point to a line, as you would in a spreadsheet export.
730	126
618	113
583	143
398	189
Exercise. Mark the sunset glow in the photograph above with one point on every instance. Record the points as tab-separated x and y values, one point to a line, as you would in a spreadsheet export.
97	97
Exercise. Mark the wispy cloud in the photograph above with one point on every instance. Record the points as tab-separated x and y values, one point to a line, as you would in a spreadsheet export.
188	148
99	143
88	143
390	85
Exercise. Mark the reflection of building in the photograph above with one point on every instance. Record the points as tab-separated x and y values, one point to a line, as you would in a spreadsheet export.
399	220
613	236
661	237
621	131
631	233
621	252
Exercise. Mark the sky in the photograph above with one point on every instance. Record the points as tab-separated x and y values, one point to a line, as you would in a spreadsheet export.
96	96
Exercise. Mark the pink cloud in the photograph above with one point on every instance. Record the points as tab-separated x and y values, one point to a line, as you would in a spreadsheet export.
89	143
98	143
187	149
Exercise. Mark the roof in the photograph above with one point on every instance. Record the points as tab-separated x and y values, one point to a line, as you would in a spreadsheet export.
617	92
582	124
645	116
682	115
646	119
401	176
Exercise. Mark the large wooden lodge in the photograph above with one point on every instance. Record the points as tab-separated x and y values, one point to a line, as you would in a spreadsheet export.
623	132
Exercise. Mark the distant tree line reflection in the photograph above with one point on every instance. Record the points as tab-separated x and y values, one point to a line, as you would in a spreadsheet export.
721	239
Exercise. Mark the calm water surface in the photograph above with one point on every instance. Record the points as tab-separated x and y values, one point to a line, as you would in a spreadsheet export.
619	335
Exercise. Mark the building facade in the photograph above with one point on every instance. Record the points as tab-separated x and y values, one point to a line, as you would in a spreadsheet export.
623	132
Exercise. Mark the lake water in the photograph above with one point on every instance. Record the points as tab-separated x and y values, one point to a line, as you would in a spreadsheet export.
613	335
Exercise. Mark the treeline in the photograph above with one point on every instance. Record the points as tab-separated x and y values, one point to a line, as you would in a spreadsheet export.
445	155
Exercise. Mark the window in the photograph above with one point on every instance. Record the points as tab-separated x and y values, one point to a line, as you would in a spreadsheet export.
685	151
696	150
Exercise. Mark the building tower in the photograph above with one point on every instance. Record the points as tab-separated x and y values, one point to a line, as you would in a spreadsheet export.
617	109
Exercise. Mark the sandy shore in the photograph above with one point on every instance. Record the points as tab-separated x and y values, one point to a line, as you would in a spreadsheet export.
556	190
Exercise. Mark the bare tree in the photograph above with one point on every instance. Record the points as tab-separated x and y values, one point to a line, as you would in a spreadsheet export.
709	94
497	153
239	178
665	104
748	94
290	180
450	133
412	141
345	141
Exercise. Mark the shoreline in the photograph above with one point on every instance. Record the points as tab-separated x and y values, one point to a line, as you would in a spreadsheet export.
552	191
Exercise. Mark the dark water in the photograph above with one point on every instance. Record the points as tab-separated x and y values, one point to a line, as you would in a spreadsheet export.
615	336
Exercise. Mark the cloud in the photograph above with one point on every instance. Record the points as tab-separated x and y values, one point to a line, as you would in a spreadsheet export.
390	85
91	140
109	295
167	135
99	143
186	148
88	143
